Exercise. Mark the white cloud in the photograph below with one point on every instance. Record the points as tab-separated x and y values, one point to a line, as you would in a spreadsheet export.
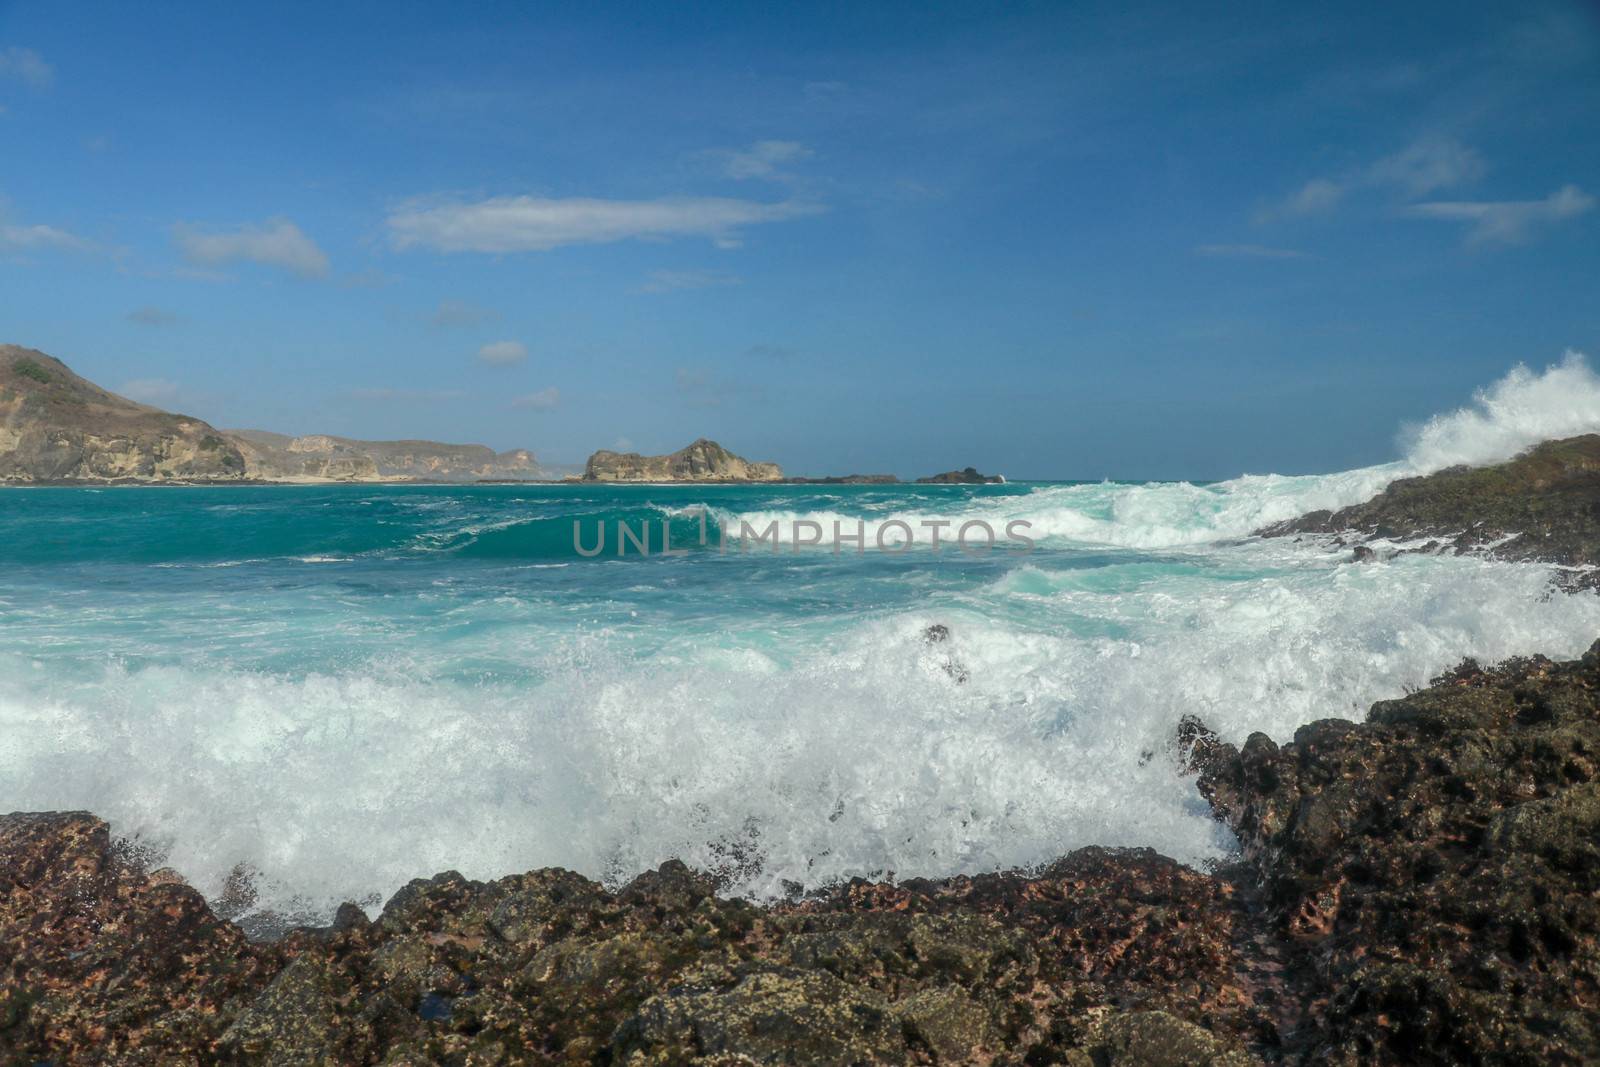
459	313
1312	198
1425	166
1430	164
27	66
667	281
1248	252
536	224
152	316
278	243
764	159
543	400
1509	220
503	353
31	238
150	390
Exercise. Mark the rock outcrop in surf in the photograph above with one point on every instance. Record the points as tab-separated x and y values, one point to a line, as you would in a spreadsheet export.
1542	505
1421	888
965	476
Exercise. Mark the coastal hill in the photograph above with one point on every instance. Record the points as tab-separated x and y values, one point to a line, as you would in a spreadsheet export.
58	427
702	461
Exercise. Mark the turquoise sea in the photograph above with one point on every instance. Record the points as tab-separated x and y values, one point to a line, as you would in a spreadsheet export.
331	690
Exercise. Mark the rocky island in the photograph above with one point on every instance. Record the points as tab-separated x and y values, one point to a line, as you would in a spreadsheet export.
59	428
1419	888
965	476
702	461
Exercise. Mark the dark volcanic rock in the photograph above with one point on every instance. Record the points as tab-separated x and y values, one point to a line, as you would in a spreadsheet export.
1420	888
965	476
101	962
1543	505
1433	875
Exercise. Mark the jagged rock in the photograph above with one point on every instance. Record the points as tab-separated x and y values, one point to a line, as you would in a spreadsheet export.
101	962
1421	888
1435	872
1154	1039
965	476
702	461
1538	506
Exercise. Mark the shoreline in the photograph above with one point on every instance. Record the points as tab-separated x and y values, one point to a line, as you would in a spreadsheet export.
1422	887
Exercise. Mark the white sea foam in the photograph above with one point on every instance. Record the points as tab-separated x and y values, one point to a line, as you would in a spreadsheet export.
1520	410
828	746
856	754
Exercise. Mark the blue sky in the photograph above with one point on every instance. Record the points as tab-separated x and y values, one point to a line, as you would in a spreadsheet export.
1053	240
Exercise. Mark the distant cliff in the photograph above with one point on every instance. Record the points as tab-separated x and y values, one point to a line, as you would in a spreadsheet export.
58	427
703	461
321	456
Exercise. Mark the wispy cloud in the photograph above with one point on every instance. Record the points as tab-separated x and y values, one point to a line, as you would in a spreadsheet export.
385	395
278	243
763	159
1312	198
152	316
1423	167
1427	166
1248	252
453	313
26	66
667	281
503	353
543	400
150	390
1509	221
41	238
537	224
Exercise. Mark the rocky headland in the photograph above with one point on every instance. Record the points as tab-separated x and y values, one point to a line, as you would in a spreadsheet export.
58	428
702	461
1422	887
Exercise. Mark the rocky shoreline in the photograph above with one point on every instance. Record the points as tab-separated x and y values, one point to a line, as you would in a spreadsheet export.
1419	888
1542	505
1423	887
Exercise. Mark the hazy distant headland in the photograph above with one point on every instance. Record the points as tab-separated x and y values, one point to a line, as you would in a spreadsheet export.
57	428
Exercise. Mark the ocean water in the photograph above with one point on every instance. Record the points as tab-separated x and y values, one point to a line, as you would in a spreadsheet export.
336	689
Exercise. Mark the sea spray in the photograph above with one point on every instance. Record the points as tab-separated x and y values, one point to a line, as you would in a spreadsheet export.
450	686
